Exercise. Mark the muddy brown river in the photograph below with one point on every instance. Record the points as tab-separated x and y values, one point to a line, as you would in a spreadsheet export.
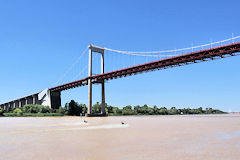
213	137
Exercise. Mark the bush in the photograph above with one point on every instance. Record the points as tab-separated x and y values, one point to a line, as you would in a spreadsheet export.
61	110
18	111
32	114
41	114
10	114
35	108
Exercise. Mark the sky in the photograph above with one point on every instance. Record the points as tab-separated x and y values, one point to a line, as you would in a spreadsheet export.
41	39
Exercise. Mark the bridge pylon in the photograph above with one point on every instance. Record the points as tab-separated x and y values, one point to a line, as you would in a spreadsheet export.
91	81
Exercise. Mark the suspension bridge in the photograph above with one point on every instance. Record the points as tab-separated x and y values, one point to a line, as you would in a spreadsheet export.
135	63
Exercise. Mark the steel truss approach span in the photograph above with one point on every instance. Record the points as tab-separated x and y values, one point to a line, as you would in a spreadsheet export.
174	61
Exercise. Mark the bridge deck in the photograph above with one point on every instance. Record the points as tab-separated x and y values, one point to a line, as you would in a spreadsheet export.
184	59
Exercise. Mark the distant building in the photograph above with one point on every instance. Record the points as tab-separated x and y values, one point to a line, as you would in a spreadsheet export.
234	112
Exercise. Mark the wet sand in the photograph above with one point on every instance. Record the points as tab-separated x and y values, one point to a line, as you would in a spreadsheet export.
212	137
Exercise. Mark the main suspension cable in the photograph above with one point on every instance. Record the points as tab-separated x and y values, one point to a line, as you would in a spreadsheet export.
71	67
136	53
83	69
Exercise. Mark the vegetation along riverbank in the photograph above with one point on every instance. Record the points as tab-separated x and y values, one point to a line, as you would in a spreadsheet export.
75	109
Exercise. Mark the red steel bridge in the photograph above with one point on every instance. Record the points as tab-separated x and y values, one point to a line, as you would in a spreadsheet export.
54	93
175	61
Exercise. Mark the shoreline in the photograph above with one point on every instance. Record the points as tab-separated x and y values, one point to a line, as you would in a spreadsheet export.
175	115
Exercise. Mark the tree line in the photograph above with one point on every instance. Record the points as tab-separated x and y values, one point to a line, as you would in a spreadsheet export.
32	110
75	109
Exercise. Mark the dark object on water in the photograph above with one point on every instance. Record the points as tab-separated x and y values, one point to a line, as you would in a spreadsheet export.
123	122
85	121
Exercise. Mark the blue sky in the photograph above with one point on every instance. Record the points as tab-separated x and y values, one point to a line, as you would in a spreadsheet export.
39	40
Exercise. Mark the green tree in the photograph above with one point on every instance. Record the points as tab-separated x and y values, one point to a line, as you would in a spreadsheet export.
74	108
142	110
150	111
156	110
209	110
127	110
84	108
97	108
18	111
66	106
116	110
109	109
173	111
1	112
163	111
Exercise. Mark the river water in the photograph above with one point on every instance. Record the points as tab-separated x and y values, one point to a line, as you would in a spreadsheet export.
212	137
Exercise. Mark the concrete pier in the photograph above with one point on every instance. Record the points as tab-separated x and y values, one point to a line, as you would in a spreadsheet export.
19	103
55	99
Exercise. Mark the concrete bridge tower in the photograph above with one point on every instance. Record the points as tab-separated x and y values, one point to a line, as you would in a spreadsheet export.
91	81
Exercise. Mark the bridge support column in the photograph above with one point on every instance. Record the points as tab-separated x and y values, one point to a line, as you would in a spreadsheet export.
103	85
19	103
89	112
33	99
103	99
90	78
55	99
